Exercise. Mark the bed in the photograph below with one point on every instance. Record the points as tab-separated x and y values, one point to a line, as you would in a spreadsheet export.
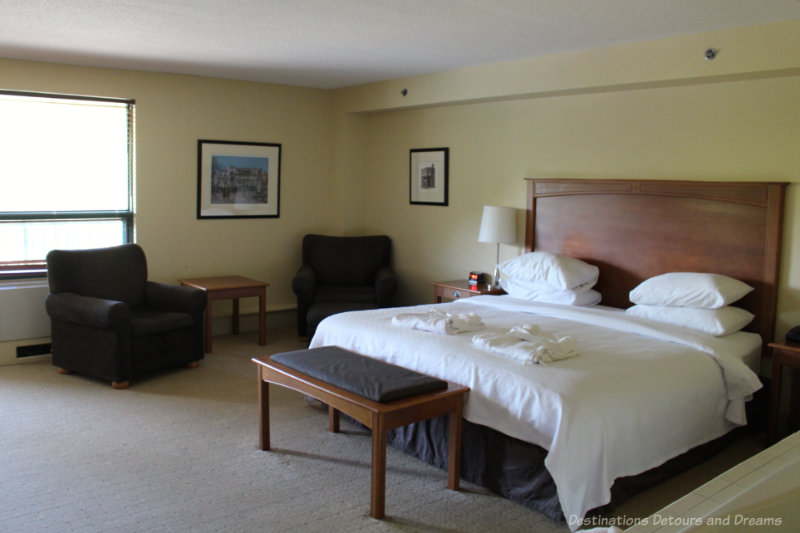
557	437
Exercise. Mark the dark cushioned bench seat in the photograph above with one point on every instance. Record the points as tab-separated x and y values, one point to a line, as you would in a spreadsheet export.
377	380
379	395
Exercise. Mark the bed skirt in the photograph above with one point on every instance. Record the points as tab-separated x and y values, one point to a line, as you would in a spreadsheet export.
515	469
504	465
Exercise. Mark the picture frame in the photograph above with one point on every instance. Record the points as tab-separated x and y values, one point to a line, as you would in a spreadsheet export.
428	176
238	179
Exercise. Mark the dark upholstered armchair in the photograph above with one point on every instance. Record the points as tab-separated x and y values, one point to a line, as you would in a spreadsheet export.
109	322
342	274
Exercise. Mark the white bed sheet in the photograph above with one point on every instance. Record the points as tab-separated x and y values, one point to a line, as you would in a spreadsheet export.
627	403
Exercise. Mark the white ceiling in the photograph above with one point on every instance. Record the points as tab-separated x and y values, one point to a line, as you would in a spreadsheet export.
338	43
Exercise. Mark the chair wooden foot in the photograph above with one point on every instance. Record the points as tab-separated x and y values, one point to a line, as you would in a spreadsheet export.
193	364
119	385
64	371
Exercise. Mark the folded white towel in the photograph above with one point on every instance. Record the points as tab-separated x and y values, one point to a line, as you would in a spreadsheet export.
527	344
441	322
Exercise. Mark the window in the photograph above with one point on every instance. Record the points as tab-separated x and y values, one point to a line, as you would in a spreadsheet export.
66	171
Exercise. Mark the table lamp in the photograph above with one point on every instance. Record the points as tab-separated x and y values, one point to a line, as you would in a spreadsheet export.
498	225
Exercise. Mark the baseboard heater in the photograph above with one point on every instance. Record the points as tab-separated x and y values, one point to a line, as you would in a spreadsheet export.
34	349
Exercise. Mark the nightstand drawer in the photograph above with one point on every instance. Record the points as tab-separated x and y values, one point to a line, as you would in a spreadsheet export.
455	294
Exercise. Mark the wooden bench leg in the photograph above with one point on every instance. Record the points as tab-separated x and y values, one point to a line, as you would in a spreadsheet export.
378	493
454	448
263	412
333	419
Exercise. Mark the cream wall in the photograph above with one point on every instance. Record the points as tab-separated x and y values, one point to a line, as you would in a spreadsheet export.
172	113
653	110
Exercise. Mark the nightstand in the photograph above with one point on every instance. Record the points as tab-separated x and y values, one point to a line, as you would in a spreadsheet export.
456	289
783	353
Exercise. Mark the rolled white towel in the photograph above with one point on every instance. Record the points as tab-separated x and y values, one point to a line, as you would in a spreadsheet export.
527	344
526	331
443	323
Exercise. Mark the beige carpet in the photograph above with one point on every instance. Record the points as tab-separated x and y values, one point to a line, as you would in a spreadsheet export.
178	452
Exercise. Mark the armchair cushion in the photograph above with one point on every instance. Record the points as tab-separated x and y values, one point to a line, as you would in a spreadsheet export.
327	293
146	322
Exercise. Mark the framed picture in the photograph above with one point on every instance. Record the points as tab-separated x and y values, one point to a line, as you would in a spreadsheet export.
428	169
238	179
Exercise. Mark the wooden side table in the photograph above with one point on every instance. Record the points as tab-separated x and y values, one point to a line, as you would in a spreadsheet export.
235	287
456	289
788	354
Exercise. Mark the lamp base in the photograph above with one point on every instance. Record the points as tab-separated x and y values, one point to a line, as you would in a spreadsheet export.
496	278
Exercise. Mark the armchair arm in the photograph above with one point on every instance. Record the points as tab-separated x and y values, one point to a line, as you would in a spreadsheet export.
88	311
385	285
304	283
174	298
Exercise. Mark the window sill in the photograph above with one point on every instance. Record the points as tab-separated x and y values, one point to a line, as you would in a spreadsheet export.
23	274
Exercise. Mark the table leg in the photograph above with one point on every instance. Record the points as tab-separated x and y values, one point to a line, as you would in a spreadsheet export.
209	316
333	419
378	493
235	317
454	449
437	298
262	317
263	412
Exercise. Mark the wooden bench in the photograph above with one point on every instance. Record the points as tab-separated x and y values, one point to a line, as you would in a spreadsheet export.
378	416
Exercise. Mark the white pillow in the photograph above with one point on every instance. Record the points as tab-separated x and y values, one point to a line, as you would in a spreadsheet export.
540	292
717	322
557	270
689	289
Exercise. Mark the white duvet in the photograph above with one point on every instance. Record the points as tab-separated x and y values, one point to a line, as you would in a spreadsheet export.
639	393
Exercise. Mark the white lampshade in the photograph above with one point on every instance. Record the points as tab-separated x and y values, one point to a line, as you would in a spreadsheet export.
499	225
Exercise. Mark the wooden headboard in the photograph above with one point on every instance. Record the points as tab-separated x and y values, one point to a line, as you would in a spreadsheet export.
636	229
